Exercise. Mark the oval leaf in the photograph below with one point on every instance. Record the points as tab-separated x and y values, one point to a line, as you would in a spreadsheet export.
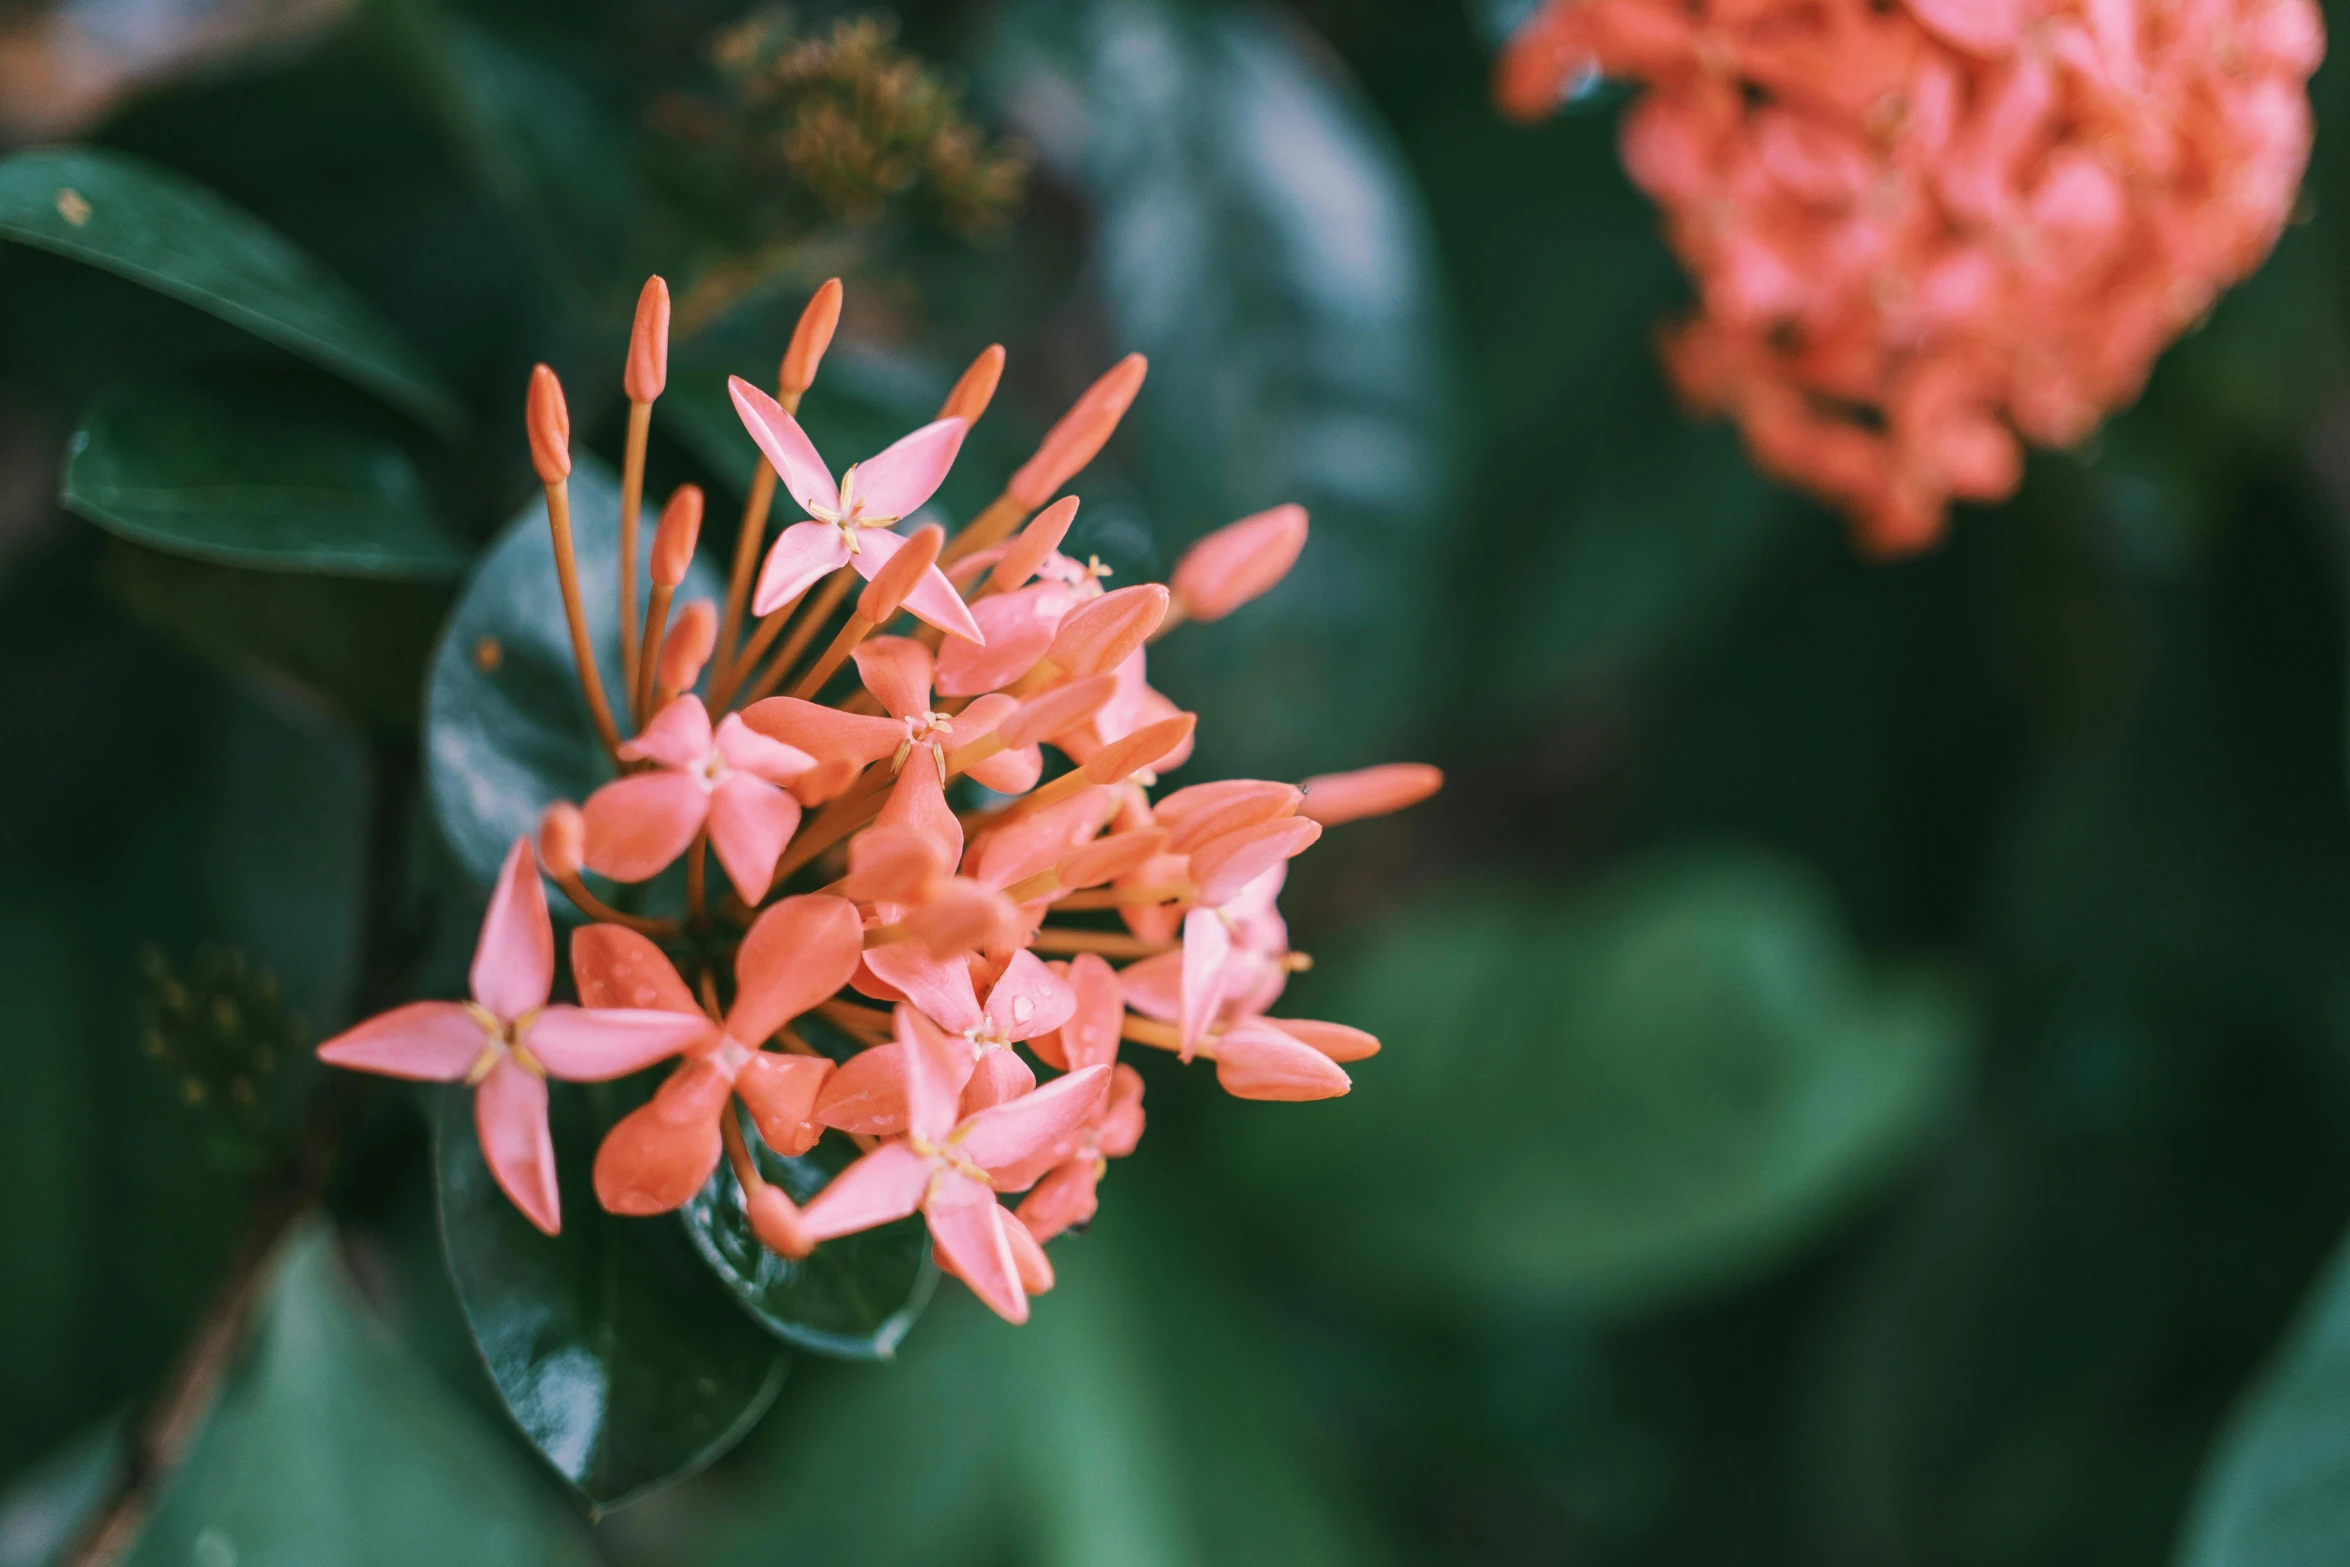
854	1298
247	476
1658	1089
332	1446
506	728
2277	1491
160	229
614	1353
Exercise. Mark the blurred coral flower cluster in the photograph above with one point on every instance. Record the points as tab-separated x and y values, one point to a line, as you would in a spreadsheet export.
1923	233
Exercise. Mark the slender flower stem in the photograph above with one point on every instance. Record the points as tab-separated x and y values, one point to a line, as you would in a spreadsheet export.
722	686
746	561
1144	1031
632	505
812	619
1109	943
583	650
853	631
656	626
990	528
867	1023
1129	897
596	908
697	872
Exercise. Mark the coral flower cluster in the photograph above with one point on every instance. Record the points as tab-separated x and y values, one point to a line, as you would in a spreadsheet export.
952	888
1921	230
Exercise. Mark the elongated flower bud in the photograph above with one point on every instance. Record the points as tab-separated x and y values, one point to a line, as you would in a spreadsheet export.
901	575
679	531
1247	803
648	344
687	647
809	340
1040	538
1107	859
1080	435
1057	711
562	840
549	422
1335	1040
975	389
1096	637
1229	863
1238	562
1122	759
1370	791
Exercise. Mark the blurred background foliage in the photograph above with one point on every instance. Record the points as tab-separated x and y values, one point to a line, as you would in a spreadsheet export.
1868	1048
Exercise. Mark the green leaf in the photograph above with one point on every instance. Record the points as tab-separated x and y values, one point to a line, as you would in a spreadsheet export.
1662	1088
2276	1492
1137	1418
1261	239
506	728
619	1359
855	1298
355	645
257	477
157	228
332	1449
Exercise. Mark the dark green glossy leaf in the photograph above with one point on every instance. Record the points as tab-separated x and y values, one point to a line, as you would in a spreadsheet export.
506	728
2277	1490
855	1298
357	646
1259	237
157	228
1671	1083
619	1359
262	478
330	1447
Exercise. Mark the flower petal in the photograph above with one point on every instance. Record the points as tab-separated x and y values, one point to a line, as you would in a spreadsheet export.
886	1184
1207	950
1028	1258
637	826
428	1041
1120	1126
1335	1040
1003	1135
933	599
897	671
999	1077
594	1045
1154	987
1029	999
781	1091
825	733
748	751
514	962
750	822
796	954
909	472
1018	627
786	447
1011	772
918	803
510	1117
1225	865
866	1094
938	1065
967	1226
939	987
660	1153
1089	1036
678	736
801	554
616	967
1063	1200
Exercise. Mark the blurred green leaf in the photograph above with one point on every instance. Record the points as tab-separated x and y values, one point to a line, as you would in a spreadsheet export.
331	1449
506	728
148	224
356	646
1259	237
1667	1086
254	477
1136	1419
2276	1491
620	1361
855	1298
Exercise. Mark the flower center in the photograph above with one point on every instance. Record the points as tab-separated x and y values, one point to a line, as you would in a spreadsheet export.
501	1041
849	517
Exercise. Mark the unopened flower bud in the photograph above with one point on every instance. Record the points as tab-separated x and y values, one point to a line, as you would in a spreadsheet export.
687	647
679	531
777	1223
562	840
1107	859
549	422
892	865
1022	557
1097	636
809	340
824	781
1225	865
1195	815
1335	1040
1080	435
1057	711
1121	759
975	389
1370	791
1238	562
648	344
900	574
962	917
